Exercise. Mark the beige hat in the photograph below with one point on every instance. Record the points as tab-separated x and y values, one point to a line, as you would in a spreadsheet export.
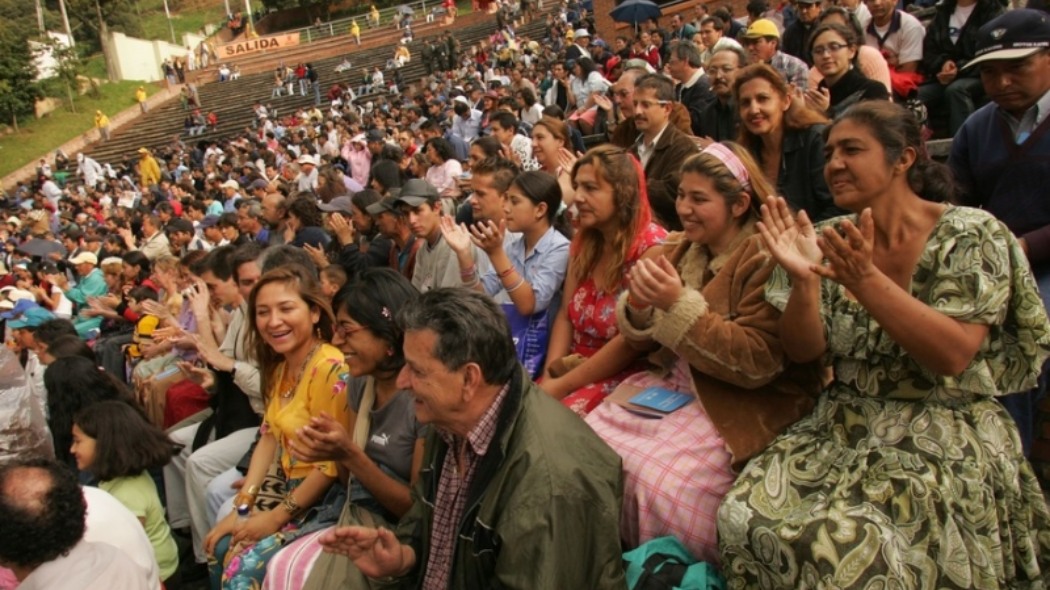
231	184
84	257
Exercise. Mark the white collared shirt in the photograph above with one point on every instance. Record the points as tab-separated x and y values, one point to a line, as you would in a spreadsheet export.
646	151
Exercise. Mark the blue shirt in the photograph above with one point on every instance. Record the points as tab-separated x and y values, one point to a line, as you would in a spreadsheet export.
544	268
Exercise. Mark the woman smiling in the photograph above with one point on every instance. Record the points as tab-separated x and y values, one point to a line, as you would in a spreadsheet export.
698	300
303	377
784	136
834	50
381	453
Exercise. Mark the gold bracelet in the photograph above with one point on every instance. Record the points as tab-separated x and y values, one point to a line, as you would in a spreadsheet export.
291	505
252	491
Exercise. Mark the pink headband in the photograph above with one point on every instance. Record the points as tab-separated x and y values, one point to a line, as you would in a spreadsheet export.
733	163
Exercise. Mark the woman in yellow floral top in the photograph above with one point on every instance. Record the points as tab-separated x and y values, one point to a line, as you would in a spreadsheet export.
304	377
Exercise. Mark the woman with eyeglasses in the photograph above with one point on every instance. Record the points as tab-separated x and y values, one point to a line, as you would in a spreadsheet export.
870	60
834	50
380	450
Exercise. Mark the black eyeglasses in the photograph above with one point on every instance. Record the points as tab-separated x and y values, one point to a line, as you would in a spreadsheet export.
829	48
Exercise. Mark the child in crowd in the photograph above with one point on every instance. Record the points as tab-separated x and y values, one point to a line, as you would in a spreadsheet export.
146	324
333	277
101	433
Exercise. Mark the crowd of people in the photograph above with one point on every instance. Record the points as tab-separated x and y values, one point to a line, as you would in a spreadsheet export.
559	299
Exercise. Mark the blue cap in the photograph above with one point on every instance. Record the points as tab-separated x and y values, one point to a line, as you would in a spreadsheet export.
21	306
32	318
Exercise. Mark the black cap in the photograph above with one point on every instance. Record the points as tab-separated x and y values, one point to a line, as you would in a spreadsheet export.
1016	34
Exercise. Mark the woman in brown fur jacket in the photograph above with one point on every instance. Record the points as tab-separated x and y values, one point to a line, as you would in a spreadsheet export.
698	304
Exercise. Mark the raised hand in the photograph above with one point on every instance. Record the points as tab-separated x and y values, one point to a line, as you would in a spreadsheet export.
488	235
792	241
457	236
317	254
818	99
567	159
342	228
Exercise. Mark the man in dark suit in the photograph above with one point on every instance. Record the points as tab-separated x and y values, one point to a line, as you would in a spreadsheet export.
661	148
692	89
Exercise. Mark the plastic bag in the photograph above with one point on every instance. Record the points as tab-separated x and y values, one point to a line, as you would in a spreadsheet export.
23	426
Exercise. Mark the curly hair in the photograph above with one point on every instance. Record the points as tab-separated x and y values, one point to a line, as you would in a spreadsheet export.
43	511
304	207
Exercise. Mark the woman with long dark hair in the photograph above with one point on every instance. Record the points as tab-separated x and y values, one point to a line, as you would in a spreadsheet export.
303	376
908	471
587	357
379	473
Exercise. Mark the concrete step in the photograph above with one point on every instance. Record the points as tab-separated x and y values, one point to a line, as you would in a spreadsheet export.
232	100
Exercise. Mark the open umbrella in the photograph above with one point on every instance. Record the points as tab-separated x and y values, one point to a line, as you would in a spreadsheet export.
404	9
41	248
635	11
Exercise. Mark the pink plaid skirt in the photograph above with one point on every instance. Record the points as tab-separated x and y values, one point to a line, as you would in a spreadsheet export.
676	471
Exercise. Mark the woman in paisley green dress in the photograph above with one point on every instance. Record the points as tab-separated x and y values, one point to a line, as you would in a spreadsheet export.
908	474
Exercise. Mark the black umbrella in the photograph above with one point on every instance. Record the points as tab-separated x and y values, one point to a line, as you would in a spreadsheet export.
635	11
41	248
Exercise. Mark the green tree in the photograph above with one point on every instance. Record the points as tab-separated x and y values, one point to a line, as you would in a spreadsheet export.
68	67
18	88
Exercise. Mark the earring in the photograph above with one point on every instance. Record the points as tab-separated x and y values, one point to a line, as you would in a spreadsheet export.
390	352
317	331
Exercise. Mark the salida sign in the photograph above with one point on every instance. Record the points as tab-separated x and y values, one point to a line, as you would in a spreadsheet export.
256	45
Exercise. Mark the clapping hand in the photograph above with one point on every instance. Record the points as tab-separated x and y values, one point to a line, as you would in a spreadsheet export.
200	300
323	438
849	253
818	99
488	235
567	159
655	283
791	240
342	228
158	309
456	236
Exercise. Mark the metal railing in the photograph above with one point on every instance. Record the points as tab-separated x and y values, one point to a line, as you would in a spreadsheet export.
341	26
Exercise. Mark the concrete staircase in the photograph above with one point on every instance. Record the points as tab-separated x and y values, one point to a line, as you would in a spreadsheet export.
232	101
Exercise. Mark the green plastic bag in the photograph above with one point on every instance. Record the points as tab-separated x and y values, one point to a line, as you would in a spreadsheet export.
664	564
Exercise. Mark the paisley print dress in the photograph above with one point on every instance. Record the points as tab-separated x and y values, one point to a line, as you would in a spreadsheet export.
901	478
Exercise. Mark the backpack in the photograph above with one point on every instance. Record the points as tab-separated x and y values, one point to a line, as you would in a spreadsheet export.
664	564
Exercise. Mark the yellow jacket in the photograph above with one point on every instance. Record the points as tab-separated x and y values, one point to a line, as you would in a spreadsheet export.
149	170
355	30
101	121
140	95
